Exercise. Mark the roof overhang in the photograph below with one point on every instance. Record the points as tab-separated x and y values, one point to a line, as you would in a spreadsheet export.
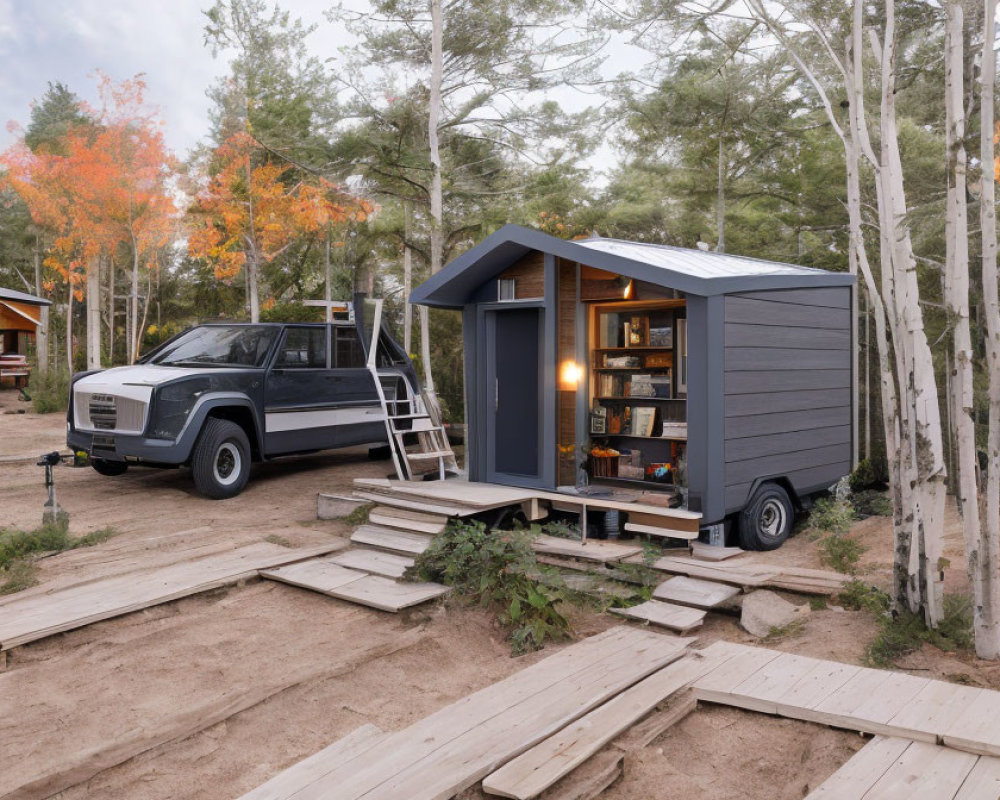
20	312
455	285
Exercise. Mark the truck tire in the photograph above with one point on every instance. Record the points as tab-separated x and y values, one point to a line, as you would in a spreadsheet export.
766	520
109	468
220	463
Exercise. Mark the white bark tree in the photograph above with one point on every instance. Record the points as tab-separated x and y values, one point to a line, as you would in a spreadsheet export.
984	569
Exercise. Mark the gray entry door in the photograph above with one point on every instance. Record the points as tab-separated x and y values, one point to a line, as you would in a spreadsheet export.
514	392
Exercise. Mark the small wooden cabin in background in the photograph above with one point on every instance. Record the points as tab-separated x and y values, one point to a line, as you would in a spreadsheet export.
735	370
21	316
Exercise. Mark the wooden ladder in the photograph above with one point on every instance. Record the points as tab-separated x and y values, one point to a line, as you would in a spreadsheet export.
412	414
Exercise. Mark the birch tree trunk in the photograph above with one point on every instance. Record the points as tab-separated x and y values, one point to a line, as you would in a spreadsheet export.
133	309
433	123
328	274
69	328
111	312
407	281
94	314
957	297
987	616
42	332
720	202
251	268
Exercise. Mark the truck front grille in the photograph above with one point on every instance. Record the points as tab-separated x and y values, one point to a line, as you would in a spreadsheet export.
108	412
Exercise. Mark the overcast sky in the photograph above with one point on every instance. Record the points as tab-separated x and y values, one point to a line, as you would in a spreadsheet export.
66	40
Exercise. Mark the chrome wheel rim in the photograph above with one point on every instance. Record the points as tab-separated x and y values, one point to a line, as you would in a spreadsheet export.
772	519
228	463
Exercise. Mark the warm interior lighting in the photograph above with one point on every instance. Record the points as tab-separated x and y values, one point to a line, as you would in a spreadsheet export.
570	374
628	290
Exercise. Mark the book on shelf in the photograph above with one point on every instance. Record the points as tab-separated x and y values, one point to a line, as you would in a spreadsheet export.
643	420
641	385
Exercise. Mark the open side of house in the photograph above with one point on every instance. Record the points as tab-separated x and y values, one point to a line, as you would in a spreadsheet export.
653	374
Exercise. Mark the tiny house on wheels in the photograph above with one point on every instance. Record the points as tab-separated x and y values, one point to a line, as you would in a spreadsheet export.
719	383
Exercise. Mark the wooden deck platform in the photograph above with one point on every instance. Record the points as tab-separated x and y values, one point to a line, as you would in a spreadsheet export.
464	498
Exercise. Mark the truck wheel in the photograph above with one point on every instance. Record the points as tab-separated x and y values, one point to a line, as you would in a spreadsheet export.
109	468
766	521
220	463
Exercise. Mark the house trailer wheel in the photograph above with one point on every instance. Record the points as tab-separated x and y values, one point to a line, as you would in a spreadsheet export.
220	463
109	468
766	521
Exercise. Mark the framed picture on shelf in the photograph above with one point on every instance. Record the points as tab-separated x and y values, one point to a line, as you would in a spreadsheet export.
661	337
638	332
598	424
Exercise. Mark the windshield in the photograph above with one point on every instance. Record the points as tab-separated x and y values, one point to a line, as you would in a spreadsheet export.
219	346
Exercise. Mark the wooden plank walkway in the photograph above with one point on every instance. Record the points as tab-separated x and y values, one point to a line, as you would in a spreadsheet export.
375	562
334	580
751	574
530	774
889	768
856	698
412	544
666	615
33	618
445	753
694	592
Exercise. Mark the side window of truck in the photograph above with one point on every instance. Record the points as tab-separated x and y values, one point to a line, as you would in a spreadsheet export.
347	349
303	348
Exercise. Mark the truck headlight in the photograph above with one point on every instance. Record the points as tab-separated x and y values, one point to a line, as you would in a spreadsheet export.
172	405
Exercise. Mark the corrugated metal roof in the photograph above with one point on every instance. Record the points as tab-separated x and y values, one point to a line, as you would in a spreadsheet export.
697	263
694	272
23	297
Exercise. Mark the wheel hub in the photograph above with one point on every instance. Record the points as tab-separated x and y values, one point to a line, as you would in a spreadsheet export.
227	463
772	518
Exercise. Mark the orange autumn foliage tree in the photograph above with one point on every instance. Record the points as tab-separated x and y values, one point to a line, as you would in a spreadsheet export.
252	211
103	191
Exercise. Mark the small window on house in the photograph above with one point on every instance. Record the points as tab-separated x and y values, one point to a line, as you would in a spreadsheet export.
303	348
347	348
508	288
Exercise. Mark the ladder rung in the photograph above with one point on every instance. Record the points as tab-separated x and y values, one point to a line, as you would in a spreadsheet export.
427	427
409	416
433	454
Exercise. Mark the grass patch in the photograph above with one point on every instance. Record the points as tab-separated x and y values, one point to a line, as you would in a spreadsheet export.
841	552
498	569
49	393
359	516
18	575
903	633
830	515
281	541
869	503
793	628
16	545
817	603
860	596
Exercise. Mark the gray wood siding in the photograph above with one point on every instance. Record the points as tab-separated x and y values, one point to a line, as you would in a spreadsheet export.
787	384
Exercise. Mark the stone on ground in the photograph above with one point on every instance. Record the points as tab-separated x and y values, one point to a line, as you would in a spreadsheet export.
765	611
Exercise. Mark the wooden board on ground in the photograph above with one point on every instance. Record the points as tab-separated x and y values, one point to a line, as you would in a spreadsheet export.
412	504
39	616
752	574
317	575
530	774
386	594
593	550
376	562
388	539
427	523
707	552
695	592
445	753
666	615
352	747
656	530
898	769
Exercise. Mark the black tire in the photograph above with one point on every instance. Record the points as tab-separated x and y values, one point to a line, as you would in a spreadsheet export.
108	468
766	520
220	463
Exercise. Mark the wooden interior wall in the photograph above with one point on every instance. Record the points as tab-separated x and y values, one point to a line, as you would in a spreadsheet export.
567	352
529	276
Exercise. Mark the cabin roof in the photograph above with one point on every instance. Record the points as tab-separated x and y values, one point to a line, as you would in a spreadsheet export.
23	297
696	272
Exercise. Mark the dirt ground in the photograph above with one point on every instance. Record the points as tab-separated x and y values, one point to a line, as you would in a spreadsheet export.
301	670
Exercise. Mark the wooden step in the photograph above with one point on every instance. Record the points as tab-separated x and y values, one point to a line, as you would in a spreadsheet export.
653	530
666	615
407	514
375	562
418	426
420	456
707	552
415	504
594	549
403	524
386	594
695	592
316	574
392	540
